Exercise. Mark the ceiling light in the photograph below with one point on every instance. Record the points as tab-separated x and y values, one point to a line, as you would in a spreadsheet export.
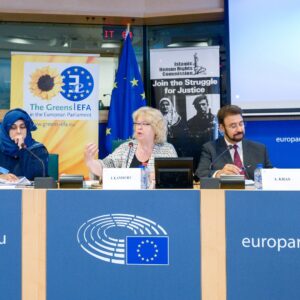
110	45
19	41
201	44
175	45
188	44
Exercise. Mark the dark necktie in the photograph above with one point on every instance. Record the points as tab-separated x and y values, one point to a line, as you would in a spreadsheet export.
237	160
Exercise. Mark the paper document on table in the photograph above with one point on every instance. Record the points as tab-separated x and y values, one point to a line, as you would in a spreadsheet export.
249	182
21	181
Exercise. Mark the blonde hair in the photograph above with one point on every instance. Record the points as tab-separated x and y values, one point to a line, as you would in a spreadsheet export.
155	118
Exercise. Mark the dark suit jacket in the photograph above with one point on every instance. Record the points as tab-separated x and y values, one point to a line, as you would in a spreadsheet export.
253	154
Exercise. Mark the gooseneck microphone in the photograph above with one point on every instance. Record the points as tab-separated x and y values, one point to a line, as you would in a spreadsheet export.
244	168
130	145
229	147
23	146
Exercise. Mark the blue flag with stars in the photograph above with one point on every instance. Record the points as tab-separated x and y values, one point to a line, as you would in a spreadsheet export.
147	250
127	96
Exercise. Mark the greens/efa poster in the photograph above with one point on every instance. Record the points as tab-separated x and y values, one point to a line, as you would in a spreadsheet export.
61	93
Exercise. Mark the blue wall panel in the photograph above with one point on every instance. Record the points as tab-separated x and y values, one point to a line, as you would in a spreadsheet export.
282	139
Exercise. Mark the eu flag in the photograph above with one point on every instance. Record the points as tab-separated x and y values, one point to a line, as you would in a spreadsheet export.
127	96
147	250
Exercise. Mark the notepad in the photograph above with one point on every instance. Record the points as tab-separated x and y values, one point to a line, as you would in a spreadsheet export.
22	181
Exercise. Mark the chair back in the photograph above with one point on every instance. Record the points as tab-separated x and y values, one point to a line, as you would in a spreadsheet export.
116	143
53	165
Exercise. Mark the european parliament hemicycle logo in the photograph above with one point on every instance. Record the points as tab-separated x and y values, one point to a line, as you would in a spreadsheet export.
125	239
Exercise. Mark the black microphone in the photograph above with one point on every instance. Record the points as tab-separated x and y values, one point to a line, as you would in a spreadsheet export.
23	146
229	147
129	152
244	168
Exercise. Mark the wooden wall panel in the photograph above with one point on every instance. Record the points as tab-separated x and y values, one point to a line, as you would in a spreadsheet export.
34	244
213	246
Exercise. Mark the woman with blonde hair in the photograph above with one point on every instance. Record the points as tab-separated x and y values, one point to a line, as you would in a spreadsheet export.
150	134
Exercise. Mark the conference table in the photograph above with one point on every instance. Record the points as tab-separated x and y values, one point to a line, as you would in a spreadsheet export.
155	244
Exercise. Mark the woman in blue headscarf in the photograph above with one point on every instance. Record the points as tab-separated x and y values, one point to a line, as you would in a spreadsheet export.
20	154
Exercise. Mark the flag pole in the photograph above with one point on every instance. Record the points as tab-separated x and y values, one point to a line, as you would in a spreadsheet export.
128	29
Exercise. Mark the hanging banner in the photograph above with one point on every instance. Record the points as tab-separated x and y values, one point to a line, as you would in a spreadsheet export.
61	93
185	85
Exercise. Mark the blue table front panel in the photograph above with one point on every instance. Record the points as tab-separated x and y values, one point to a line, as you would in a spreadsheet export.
263	245
10	244
159	257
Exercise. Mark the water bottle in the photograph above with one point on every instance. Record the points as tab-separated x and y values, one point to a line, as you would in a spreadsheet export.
144	176
257	177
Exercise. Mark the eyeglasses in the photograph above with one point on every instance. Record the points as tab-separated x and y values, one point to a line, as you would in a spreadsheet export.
234	126
141	124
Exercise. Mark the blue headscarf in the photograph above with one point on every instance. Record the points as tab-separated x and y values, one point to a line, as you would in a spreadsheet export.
7	145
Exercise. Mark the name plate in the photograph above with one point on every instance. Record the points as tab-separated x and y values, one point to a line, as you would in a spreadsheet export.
121	179
281	179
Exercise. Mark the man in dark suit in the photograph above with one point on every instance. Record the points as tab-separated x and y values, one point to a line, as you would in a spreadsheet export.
231	154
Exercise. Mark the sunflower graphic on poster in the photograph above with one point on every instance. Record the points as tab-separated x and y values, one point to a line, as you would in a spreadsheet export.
46	83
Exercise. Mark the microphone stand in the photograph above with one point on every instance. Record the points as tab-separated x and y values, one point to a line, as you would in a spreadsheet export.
130	145
23	146
246	172
41	182
229	147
